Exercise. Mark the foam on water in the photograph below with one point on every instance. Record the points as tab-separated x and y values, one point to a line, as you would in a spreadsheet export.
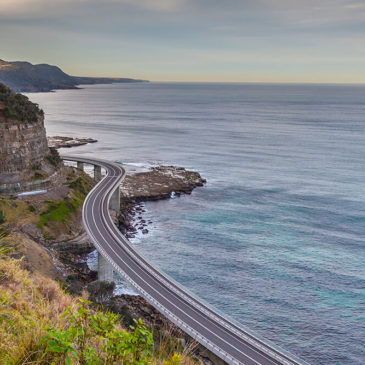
121	287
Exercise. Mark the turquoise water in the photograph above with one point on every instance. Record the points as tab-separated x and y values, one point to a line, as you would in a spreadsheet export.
276	239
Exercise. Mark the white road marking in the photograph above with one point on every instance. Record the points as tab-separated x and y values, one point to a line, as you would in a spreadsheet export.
175	289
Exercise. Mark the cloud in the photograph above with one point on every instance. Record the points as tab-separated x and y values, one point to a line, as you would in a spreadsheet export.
10	6
30	7
152	35
27	8
356	6
154	5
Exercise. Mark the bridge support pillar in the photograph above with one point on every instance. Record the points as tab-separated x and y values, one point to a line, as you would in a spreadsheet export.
105	269
80	165
115	200
97	173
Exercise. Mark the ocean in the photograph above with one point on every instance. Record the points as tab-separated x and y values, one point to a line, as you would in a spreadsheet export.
276	238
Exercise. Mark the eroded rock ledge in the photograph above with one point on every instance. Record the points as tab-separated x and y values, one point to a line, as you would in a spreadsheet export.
67	142
161	182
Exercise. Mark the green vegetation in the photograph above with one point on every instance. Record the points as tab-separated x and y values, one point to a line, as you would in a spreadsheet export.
31	208
18	106
47	236
38	175
96	338
59	211
54	157
41	324
64	210
5	247
54	217
12	211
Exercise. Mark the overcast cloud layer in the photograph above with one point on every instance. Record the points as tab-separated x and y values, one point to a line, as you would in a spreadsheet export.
190	40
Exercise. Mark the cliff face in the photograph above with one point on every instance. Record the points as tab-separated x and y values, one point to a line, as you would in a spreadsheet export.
22	145
26	162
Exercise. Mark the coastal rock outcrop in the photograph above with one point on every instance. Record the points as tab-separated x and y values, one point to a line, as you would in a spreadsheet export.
68	142
160	182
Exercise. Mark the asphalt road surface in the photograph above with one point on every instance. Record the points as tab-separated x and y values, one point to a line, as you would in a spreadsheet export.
226	339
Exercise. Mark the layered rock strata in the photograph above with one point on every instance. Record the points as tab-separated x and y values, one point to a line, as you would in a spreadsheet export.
22	145
26	162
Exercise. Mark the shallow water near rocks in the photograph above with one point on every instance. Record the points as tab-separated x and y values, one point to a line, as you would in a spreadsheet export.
276	239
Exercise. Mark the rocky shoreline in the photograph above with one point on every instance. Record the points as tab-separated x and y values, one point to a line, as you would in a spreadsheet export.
162	182
67	142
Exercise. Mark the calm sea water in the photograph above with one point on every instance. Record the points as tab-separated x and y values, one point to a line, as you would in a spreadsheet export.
276	239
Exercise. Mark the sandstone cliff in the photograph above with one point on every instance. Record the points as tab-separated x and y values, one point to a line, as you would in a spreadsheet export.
26	162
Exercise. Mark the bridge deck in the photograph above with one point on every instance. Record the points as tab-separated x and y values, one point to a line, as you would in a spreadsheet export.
227	340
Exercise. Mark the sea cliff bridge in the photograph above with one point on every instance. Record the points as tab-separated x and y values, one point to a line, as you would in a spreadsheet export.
227	340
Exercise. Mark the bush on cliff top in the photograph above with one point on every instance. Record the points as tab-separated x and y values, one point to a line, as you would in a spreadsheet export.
18	106
41	324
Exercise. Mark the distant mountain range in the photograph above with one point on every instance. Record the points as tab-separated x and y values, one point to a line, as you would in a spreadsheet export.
25	77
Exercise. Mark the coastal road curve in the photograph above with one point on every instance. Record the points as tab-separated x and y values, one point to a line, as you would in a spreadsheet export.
227	340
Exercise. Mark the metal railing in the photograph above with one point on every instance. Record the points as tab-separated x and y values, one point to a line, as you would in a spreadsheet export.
230	324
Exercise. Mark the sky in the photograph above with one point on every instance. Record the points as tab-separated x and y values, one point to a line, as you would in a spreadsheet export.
190	40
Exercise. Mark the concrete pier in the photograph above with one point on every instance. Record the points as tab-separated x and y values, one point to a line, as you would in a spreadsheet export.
105	269
80	165
97	173
115	200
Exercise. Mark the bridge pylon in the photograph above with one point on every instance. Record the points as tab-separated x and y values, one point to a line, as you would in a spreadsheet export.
105	269
80	165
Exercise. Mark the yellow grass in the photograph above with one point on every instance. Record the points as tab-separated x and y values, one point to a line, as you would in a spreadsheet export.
27	306
29	303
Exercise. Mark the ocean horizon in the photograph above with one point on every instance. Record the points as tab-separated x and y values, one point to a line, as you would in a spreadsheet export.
276	237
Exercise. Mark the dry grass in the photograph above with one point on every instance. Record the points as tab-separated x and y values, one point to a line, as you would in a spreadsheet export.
29	303
168	343
27	306
15	212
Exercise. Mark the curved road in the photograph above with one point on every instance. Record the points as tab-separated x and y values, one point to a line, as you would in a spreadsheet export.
230	342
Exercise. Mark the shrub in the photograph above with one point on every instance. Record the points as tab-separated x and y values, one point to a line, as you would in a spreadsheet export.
18	106
31	208
97	339
54	157
41	324
38	175
174	360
